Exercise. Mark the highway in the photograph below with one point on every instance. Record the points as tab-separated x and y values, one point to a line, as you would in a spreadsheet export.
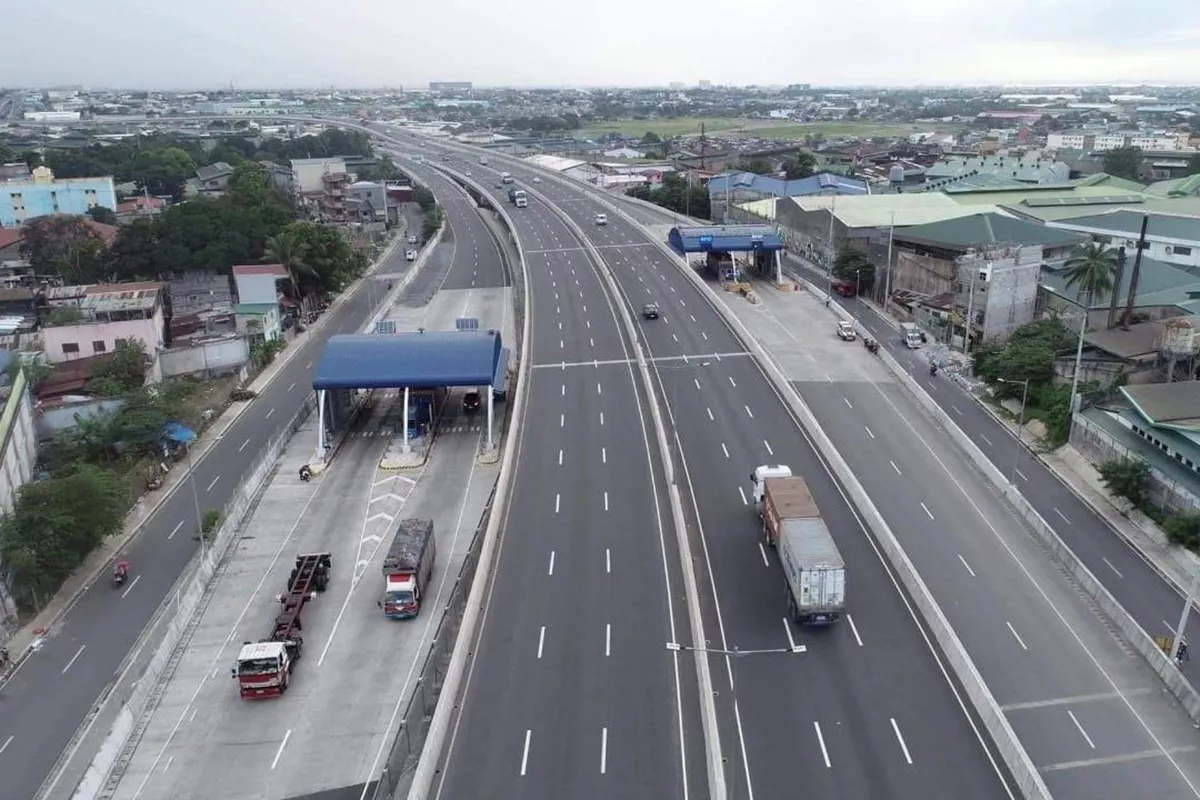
571	691
843	727
50	696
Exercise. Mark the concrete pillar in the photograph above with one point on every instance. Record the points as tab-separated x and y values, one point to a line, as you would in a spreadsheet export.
491	401
321	423
407	448
778	268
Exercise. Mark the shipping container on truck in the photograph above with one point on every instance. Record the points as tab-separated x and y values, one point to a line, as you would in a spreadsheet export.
518	198
408	568
813	569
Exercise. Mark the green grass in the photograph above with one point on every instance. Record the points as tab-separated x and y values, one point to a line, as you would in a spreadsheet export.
670	127
762	128
832	130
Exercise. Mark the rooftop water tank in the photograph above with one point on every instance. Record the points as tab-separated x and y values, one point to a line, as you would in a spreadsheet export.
896	174
1178	338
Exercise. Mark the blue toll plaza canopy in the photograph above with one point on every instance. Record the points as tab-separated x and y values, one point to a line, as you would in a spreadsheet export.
420	360
725	239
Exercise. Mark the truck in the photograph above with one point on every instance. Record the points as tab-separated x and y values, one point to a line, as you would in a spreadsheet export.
758	481
264	668
506	177
408	568
518	198
813	570
483	161
910	334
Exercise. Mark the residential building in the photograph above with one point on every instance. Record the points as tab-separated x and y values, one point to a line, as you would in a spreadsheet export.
41	194
1170	238
199	292
308	174
996	291
139	208
371	201
18	458
1101	142
16	171
1031	168
108	313
259	321
281	177
213	179
258	283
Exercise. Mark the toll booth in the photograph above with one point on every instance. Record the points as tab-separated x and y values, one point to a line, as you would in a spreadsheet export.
730	249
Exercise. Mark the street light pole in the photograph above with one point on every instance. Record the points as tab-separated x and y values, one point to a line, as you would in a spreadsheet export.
1020	423
1079	356
195	493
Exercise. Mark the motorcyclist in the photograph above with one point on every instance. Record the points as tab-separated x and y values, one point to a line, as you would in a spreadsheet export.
305	472
121	572
932	369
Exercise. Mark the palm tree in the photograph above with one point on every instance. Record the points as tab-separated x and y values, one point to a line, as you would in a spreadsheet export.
286	249
1090	271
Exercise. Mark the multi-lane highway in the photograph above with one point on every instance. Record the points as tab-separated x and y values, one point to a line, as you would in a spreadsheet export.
831	714
572	692
50	696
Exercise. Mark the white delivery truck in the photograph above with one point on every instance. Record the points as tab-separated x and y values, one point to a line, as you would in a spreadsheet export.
813	570
910	334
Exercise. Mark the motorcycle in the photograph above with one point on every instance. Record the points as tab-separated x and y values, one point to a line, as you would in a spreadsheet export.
120	575
305	473
933	370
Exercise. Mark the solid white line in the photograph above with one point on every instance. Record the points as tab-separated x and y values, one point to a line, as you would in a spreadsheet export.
607	640
608	560
1062	516
214	483
741	491
724	449
171	535
968	566
846	400
821	741
763	550
1015	636
868	430
282	745
125	593
269	413
606	501
557	502
787	629
900	738
1110	566
854	630
551	562
78	653
603	750
541	640
767	445
711	418
893	463
243	447
748	411
4	746
927	511
525	753
1087	738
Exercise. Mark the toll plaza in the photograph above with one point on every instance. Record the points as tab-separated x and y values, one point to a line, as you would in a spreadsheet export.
761	244
422	365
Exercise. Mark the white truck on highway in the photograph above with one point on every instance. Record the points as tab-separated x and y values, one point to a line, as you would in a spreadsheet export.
506	177
813	570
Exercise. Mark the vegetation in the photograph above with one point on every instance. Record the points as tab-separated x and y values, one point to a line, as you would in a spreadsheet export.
853	266
676	194
1124	162
430	209
1126	477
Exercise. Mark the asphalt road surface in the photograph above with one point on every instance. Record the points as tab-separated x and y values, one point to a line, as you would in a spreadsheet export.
48	699
572	692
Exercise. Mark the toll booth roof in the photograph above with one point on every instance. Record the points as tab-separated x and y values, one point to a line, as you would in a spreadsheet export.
417	360
725	239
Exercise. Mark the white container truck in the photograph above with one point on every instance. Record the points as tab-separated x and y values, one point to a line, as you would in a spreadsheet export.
813	569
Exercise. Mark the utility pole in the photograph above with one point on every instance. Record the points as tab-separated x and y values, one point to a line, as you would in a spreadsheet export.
1137	272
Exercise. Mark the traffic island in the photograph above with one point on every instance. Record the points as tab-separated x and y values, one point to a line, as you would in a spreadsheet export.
397	456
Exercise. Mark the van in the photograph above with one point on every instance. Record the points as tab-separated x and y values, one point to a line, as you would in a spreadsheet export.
910	334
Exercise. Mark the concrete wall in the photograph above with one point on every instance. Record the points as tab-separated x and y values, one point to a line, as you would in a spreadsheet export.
226	354
52	421
18	438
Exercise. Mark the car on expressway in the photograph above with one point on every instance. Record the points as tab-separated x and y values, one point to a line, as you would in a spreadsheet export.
471	402
845	330
602	219
410	255
412	238
650	311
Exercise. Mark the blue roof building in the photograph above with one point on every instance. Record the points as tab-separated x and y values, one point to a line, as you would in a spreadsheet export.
42	195
765	186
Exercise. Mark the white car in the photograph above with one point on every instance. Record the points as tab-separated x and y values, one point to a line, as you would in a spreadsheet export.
845	331
410	255
412	239
536	179
602	219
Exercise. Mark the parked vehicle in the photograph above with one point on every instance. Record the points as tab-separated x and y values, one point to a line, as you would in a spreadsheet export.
408	568
813	569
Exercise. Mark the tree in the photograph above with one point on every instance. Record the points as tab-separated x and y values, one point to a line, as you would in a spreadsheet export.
103	215
853	266
1090	271
1193	165
1126	477
1028	354
1124	162
287	249
801	165
423	198
677	194
133	254
123	372
759	166
49	240
331	262
1183	529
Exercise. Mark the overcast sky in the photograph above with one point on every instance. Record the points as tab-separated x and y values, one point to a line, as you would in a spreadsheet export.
369	43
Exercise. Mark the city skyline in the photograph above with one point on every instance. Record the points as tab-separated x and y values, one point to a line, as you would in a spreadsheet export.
908	43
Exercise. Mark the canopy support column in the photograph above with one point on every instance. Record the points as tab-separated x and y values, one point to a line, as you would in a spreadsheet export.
321	423
491	402
407	448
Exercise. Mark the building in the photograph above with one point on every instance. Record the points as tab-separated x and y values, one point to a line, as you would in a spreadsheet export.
42	194
1101	142
281	177
450	86
308	174
18	458
199	292
1032	168
736	188
213	179
258	322
258	284
139	208
51	116
370	201
106	314
1170	238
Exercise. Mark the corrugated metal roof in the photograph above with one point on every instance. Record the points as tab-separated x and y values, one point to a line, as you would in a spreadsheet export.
278	270
982	229
725	239
1129	223
422	360
1167	404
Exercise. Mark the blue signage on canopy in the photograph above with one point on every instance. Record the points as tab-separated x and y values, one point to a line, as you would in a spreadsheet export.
706	242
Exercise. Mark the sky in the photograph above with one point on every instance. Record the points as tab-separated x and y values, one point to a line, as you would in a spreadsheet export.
172	44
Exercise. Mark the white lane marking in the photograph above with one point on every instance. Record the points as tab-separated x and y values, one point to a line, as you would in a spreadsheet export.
676	338
78	653
599	389
1016	636
7	742
893	463
279	752
742	492
606	501
603	750
308	365
989	441
560	456
787	629
551	562
601	419
125	593
821	741
603	455
1086	738
711	418
564	391
846	400
557	502
1110	566
748	411
1062	516
854	630
731	383
868	430
608	561
900	739
968	566
175	530
763	551
954	408
704	336
607	639
269	413
767	445
525	753
1021	475
928	513
541	640
214	483
292	386
724	449
561	344
562	420
243	447
697	382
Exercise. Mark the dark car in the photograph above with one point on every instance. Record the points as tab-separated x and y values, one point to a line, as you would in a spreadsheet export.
471	402
650	311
